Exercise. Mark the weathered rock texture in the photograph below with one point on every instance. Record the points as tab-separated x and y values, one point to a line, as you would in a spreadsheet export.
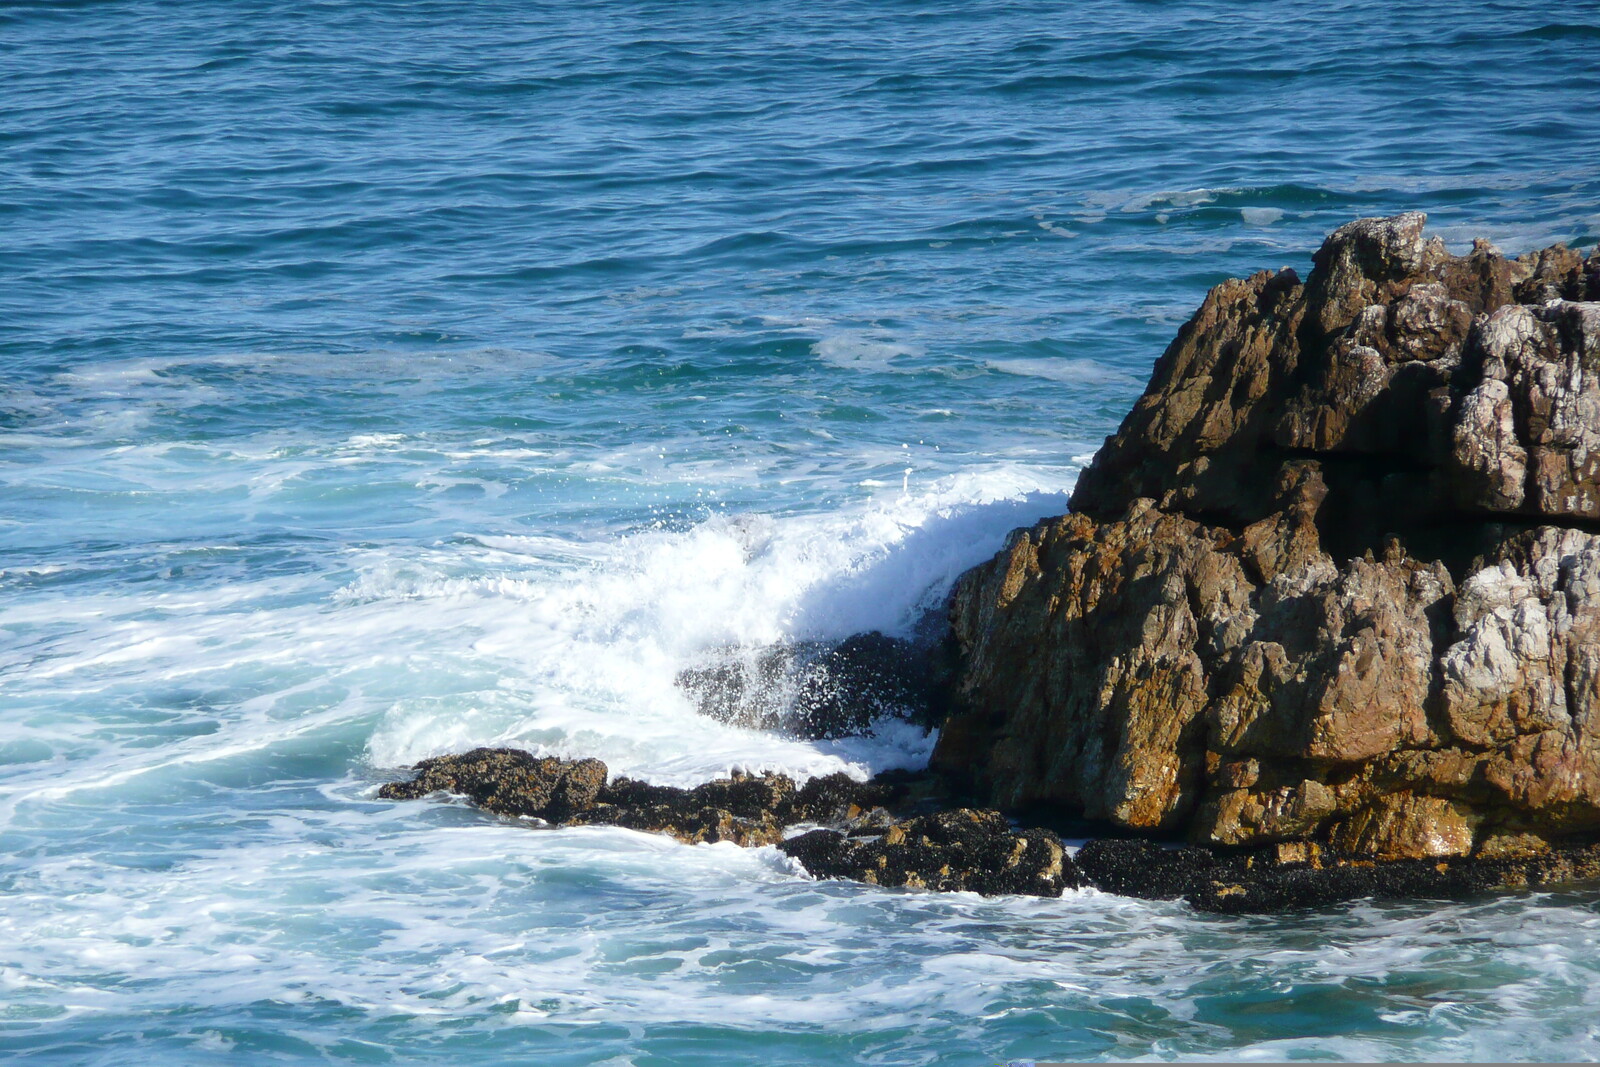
1301	874
1336	579
871	831
951	850
905	830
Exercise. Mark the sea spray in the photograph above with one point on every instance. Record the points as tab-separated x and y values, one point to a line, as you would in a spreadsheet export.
588	657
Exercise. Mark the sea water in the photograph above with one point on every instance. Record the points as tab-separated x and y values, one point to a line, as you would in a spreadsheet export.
384	379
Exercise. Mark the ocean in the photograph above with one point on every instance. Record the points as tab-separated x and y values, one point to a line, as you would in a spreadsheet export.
383	379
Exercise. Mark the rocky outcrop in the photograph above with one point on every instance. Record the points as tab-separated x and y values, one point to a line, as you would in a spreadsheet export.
1335	581
875	831
508	781
1327	606
744	809
1302	874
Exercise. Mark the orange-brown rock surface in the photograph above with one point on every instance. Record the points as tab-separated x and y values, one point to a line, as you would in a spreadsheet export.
1336	578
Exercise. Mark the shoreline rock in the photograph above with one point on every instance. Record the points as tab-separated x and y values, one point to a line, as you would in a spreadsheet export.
1304	875
907	830
1335	580
818	690
894	830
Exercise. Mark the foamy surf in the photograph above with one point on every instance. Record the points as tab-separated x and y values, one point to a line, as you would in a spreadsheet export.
551	643
586	657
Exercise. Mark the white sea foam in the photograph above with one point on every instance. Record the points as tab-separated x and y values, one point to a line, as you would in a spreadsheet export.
1128	201
412	916
861	350
555	643
587	659
1261	216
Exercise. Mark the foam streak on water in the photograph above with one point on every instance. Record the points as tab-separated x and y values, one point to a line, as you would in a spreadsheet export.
379	380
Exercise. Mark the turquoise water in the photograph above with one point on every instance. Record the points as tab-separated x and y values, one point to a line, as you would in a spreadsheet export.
385	379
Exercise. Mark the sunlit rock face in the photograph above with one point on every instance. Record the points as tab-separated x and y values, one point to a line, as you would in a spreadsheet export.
1336	578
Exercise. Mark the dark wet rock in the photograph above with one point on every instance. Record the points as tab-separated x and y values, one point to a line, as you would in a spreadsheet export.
957	850
687	822
871	834
822	852
507	781
746	795
1133	867
818	690
904	829
745	809
1297	875
837	798
1335	580
512	782
1239	888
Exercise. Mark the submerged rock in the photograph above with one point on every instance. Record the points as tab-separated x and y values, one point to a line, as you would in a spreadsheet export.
816	689
1335	580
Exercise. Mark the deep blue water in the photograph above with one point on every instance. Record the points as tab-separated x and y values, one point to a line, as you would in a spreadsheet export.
384	379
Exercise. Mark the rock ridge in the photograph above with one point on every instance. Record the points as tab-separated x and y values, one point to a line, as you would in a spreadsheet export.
906	830
899	829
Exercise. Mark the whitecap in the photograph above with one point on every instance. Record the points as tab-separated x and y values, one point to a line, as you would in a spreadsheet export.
588	658
861	350
1260	216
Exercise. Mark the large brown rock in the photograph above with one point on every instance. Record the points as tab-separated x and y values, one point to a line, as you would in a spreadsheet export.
1084	644
1336	579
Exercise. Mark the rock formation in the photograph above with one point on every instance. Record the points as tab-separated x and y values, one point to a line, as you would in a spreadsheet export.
960	849
1336	579
902	830
857	836
1301	874
1327	605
